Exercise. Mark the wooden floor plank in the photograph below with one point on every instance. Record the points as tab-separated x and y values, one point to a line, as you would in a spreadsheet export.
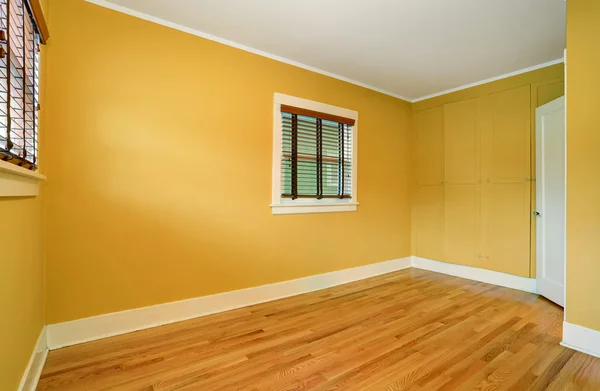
407	330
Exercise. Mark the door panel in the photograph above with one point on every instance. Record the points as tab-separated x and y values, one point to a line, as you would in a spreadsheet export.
510	136
461	143
541	93
430	148
430	222
550	197
505	212
462	227
505	202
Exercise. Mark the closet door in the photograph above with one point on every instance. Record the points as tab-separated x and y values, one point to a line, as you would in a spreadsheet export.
505	201
430	147
462	226
430	189
430	222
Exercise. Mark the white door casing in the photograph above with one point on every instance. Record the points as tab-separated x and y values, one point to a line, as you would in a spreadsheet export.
550	200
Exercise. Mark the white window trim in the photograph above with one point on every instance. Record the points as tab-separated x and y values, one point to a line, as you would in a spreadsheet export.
307	205
17	181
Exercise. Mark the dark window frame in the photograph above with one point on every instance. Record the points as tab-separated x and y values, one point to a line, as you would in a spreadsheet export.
22	30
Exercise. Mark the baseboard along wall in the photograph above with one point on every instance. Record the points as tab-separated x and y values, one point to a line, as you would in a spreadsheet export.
477	274
32	373
581	339
107	325
102	326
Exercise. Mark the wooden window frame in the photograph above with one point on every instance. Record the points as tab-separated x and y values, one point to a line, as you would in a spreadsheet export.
281	205
40	20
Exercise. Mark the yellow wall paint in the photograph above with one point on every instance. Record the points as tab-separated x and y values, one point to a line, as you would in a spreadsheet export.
21	286
159	163
22	275
544	85
583	163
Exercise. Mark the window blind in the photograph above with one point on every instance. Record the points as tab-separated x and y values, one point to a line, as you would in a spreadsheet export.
19	85
316	156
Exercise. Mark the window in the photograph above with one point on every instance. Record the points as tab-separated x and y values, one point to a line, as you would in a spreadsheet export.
314	157
22	28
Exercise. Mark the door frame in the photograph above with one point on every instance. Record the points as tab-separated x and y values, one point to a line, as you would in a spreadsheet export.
566	179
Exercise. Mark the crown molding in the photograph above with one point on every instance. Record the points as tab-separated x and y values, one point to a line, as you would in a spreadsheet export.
485	81
166	23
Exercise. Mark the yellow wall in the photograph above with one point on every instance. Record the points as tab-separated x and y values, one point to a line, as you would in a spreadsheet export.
583	163
159	166
21	286
452	212
22	280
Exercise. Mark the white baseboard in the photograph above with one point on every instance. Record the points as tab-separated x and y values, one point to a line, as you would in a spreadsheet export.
581	339
32	373
477	274
102	326
107	325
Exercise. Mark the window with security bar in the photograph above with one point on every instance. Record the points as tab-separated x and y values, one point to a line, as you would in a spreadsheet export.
316	155
20	38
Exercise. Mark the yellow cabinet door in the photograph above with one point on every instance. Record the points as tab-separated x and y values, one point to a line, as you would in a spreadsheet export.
461	143
462	146
505	201
430	146
430	221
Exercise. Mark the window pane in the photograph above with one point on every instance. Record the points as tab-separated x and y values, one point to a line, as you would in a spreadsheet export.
336	153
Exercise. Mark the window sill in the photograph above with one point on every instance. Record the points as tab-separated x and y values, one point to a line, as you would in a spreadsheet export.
313	207
17	181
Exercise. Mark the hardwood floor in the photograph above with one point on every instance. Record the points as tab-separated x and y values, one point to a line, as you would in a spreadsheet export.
408	330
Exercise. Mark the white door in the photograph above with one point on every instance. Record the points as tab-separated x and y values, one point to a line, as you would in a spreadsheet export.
550	200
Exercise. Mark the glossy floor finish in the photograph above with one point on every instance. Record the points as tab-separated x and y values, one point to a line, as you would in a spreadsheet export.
408	330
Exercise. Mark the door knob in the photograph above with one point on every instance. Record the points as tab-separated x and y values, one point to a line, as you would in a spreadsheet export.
535	213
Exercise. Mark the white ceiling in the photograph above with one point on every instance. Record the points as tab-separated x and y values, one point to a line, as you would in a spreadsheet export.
406	48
